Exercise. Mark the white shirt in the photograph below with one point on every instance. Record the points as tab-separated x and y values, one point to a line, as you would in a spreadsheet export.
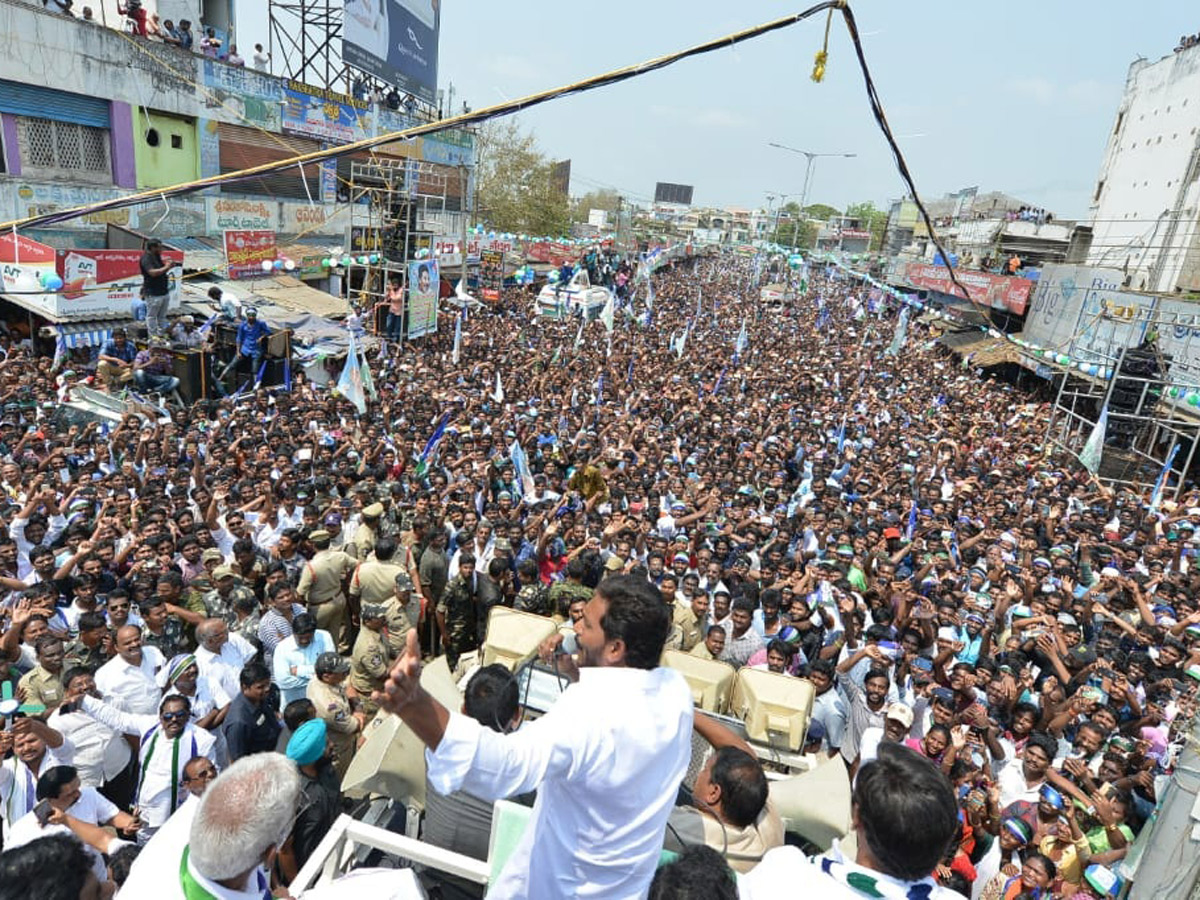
159	765
606	760
158	877
132	688
225	667
162	852
1013	786
289	655
261	60
101	754
91	807
18	782
787	872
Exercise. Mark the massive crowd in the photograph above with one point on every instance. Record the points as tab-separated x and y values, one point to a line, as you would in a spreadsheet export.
891	526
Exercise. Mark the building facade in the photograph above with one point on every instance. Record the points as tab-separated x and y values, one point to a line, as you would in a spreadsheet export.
1146	204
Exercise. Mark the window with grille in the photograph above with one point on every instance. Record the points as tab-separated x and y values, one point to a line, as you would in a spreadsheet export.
63	147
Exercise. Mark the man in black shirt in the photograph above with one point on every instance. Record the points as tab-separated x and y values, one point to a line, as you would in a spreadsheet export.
320	798
251	725
155	287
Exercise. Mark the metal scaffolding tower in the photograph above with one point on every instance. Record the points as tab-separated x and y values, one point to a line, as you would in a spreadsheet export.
393	200
305	38
1152	396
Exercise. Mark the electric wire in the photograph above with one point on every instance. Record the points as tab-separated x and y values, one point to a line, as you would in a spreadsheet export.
470	118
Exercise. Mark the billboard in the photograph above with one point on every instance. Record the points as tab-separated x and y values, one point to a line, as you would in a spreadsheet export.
996	291
396	41
423	288
665	192
491	274
98	283
246	251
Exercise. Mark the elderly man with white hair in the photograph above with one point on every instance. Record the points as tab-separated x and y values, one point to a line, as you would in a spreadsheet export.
241	821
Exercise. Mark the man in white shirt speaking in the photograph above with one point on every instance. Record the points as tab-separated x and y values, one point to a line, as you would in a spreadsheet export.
606	760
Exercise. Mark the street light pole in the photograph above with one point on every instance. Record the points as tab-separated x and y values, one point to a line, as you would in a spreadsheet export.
812	158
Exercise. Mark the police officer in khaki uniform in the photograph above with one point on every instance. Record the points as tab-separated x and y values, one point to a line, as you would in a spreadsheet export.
374	578
42	685
371	658
321	580
343	722
403	610
692	619
368	531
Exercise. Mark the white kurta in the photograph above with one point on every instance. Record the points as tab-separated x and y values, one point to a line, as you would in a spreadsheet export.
132	688
160	764
606	760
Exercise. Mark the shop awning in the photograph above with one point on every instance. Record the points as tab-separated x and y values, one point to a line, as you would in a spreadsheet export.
199	254
34	303
84	334
293	294
982	349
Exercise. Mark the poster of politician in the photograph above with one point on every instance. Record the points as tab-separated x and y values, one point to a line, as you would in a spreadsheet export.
396	41
423	287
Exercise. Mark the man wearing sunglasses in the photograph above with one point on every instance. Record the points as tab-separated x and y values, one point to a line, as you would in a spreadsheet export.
166	743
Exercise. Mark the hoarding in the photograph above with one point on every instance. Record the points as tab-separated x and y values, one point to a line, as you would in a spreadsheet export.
99	283
328	115
246	251
996	291
491	275
396	41
665	192
423	287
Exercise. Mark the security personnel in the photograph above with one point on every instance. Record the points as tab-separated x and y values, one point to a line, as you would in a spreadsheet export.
692	619
43	684
457	613
371	658
321	586
327	692
403	612
373	580
368	531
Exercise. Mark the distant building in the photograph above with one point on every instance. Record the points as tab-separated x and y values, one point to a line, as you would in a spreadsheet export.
1146	204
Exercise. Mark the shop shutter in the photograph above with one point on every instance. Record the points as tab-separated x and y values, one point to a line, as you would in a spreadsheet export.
46	103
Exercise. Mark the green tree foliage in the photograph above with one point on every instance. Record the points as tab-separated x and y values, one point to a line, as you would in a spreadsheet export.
605	199
514	190
874	220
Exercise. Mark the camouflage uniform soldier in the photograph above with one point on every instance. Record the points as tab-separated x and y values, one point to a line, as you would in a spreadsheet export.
457	614
534	597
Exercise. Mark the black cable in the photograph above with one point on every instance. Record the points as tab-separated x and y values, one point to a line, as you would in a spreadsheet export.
472	118
898	157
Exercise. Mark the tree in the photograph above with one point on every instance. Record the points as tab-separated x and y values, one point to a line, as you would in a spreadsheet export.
514	188
819	211
605	199
796	230
873	220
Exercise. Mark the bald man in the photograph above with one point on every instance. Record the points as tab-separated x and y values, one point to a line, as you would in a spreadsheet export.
221	655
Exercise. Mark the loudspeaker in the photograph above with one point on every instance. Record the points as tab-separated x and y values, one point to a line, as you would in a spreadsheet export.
391	760
815	805
710	680
775	708
513	637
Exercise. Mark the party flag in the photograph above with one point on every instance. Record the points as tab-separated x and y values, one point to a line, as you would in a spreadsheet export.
350	382
457	337
431	445
1161	481
498	392
1094	448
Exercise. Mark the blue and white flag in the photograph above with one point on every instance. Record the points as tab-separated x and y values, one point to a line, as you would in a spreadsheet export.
458	321
739	346
717	386
521	468
498	392
431	445
901	334
1093	450
912	523
350	382
841	435
1161	481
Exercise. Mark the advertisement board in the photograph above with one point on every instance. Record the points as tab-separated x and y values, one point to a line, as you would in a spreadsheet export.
328	115
1082	312
396	41
99	283
245	252
491	275
996	291
34	199
423	287
225	213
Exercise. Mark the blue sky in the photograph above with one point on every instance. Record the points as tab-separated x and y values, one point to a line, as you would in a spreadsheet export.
1017	97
